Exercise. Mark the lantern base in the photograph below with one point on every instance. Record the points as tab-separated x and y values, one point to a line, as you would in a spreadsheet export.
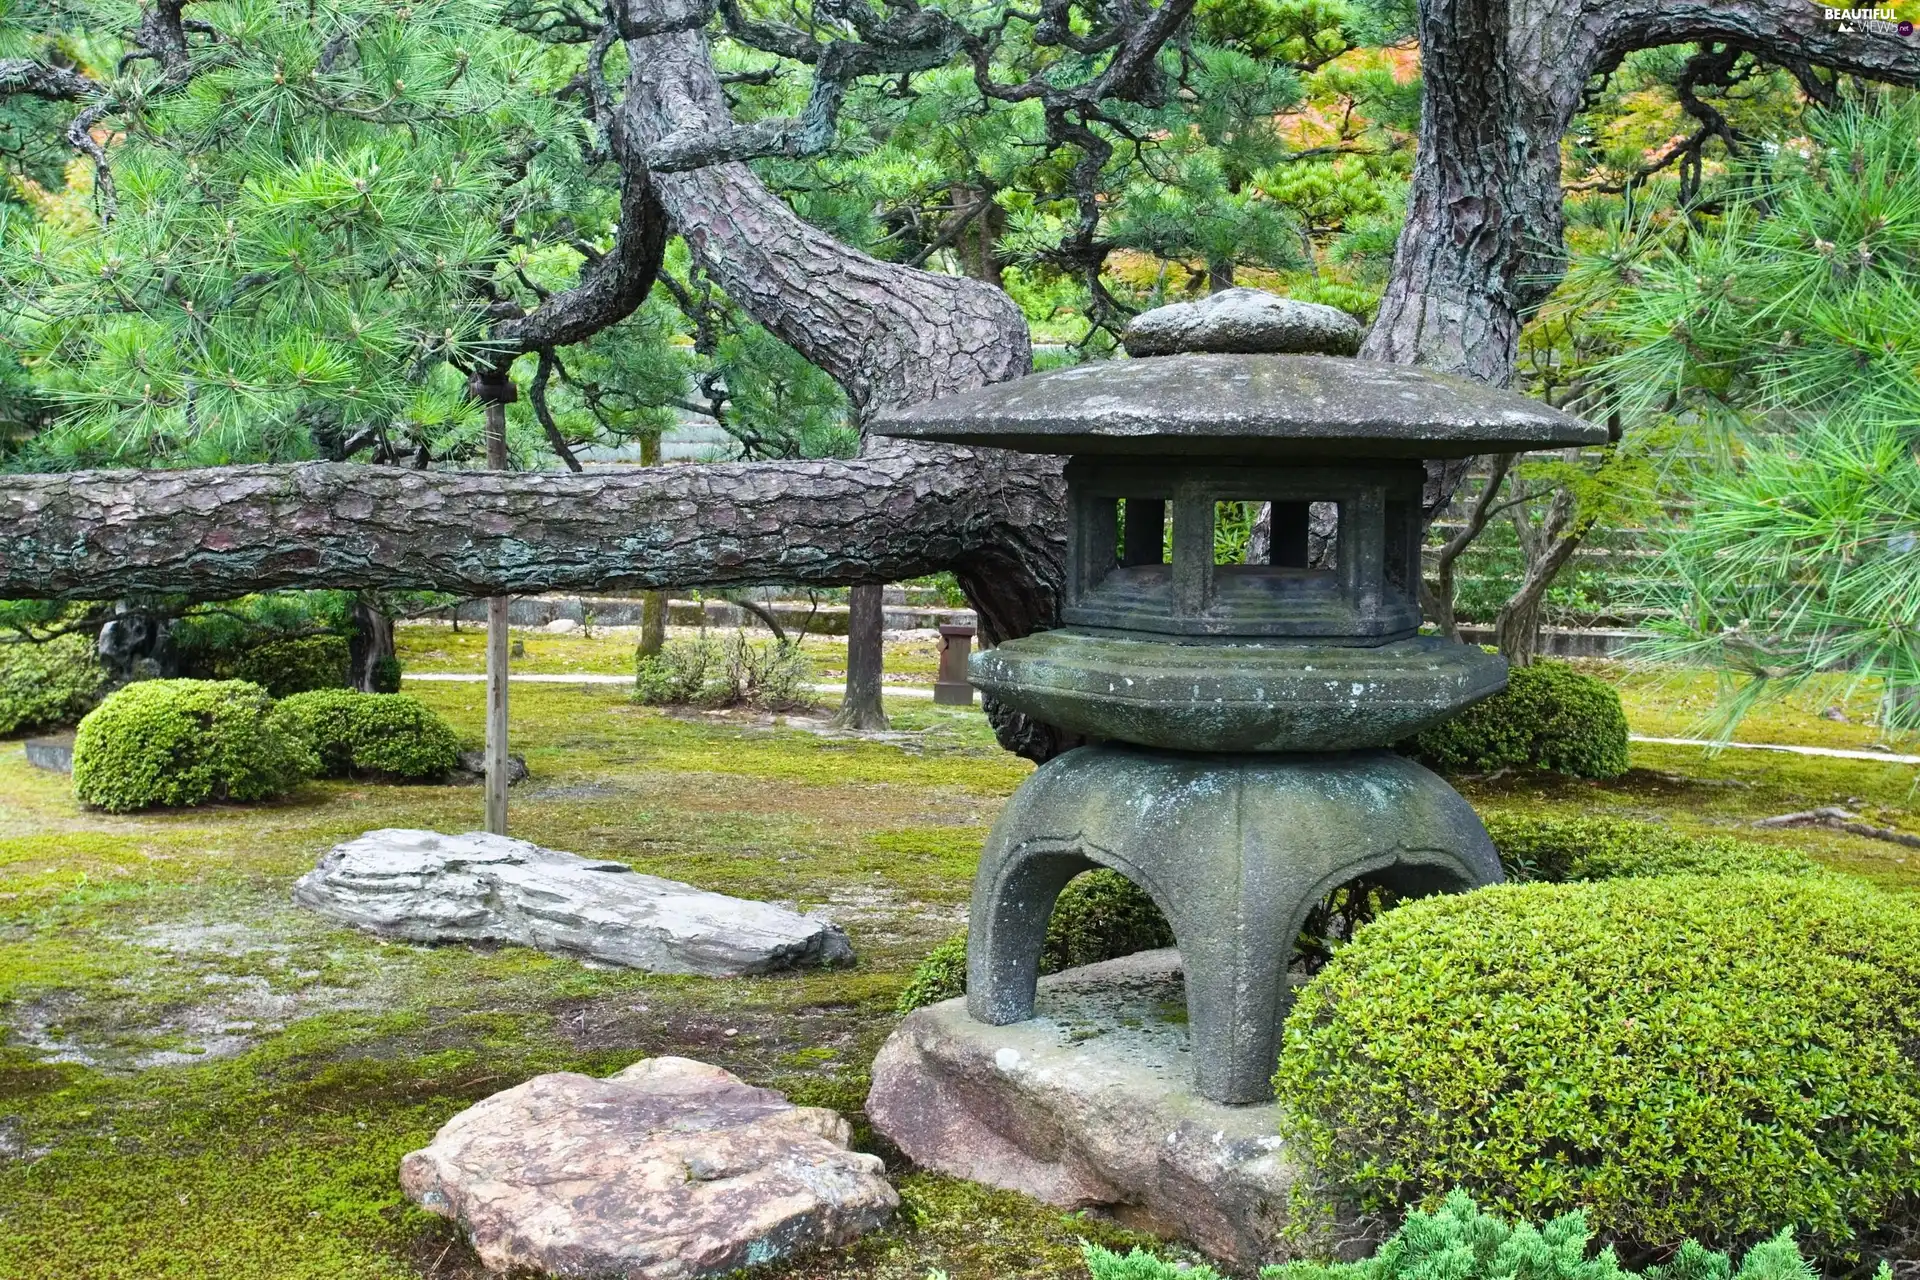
1235	850
1226	697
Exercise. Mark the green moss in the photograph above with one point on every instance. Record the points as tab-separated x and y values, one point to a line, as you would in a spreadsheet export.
127	934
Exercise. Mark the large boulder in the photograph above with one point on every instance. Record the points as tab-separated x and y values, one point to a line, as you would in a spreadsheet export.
1089	1104
421	886
1243	321
668	1170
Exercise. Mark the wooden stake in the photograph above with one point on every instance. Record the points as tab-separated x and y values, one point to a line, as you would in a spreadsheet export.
496	393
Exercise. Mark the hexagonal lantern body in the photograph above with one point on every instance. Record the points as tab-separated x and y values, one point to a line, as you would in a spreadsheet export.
1235	706
1164	647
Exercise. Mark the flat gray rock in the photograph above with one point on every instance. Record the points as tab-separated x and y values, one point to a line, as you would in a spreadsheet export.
1087	1105
669	1170
1244	321
421	886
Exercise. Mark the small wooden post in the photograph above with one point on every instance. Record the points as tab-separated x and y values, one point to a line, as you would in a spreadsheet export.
495	389
951	688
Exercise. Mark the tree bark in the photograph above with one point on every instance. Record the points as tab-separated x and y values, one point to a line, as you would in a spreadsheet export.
223	532
861	707
889	335
372	643
1502	80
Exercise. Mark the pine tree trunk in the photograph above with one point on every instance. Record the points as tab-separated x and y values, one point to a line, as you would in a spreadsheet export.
653	604
862	708
372	642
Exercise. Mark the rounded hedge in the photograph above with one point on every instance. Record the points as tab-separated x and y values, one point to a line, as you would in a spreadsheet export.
1679	1056
387	734
1548	717
296	665
49	685
1545	847
184	742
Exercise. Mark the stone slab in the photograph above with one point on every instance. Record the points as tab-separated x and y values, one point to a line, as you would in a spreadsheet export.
54	754
1088	1105
422	886
669	1170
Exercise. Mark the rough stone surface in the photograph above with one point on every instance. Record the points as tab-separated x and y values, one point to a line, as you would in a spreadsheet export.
668	1170
1087	1105
54	753
1234	850
421	886
471	770
1243	321
1244	406
1239	697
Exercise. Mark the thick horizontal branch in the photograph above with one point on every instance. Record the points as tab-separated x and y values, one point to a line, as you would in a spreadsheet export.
1782	31
37	80
224	532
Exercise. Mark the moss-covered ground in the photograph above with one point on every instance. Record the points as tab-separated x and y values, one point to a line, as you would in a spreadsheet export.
198	1080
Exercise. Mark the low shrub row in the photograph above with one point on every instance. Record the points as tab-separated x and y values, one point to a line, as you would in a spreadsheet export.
1460	1241
173	743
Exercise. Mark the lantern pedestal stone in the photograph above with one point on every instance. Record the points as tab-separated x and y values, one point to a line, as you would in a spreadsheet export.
1087	1105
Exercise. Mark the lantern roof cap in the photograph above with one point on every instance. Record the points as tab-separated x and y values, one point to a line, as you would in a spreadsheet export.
1243	405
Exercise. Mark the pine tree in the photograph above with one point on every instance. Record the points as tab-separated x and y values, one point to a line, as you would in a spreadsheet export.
1789	334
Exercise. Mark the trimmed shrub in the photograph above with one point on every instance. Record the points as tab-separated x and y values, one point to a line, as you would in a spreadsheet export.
1548	717
1100	915
385	734
50	685
1558	849
386	675
1679	1056
1458	1241
735	672
170	743
285	667
941	976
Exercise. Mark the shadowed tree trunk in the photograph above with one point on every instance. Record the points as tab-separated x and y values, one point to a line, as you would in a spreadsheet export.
862	707
653	604
372	643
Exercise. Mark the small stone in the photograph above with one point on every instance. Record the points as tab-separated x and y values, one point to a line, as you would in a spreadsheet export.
422	886
1088	1105
561	626
1243	321
1836	715
471	769
669	1170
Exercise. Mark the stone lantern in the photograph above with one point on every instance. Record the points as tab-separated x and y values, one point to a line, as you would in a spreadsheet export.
1238	713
